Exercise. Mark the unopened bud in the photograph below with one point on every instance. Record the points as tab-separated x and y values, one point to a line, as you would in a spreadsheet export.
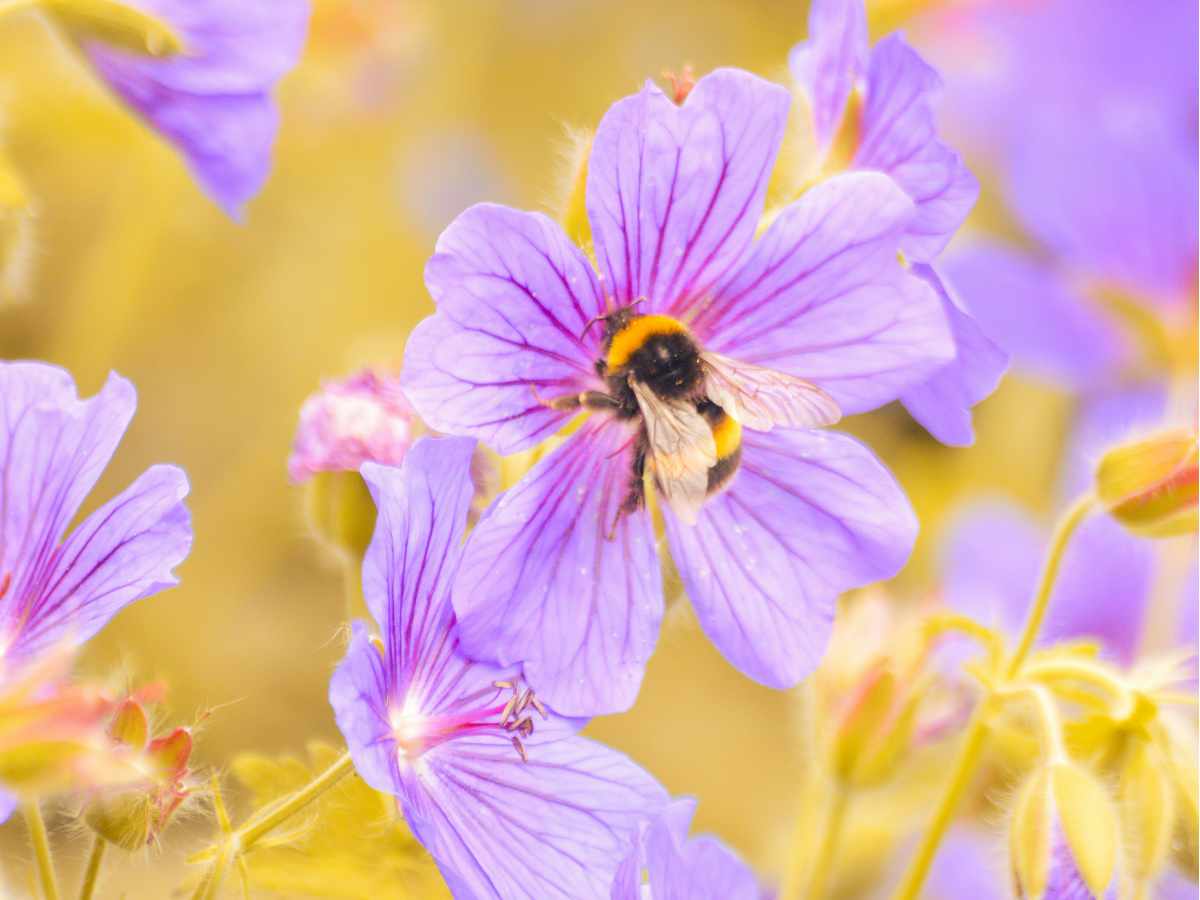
1063	835
1147	810
874	730
1150	486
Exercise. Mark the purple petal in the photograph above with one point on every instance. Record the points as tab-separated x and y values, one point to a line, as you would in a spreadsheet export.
414	556
541	584
514	295
53	448
811	514
213	100
993	560
358	693
967	866
124	551
831	61
943	403
1049	329
674	194
822	296
900	138
702	867
1173	886
554	827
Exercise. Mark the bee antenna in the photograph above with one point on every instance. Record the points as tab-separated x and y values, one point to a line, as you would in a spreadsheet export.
592	321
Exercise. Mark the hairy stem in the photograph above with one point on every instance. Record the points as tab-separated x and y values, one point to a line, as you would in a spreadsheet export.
43	858
267	820
1063	532
814	884
92	873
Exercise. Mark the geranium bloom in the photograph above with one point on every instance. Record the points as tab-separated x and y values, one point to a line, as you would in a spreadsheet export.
53	448
676	868
1086	111
872	109
213	100
498	788
554	577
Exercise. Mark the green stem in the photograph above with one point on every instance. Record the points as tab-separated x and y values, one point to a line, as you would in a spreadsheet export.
968	759
972	749
1041	600
92	873
41	850
822	863
267	820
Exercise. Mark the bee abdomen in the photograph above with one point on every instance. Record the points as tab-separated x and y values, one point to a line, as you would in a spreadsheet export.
727	435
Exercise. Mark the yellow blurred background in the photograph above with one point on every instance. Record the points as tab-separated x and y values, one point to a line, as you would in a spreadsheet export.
400	115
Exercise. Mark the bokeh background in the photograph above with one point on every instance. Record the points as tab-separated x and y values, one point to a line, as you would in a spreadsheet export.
400	115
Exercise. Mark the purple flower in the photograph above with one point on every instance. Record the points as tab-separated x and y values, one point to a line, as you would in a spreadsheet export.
676	868
557	576
53	447
363	418
213	100
1087	112
880	100
499	789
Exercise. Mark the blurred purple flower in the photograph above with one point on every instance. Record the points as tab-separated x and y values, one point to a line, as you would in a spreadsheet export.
362	418
213	100
674	195
1087	109
894	132
507	807
53	448
676	868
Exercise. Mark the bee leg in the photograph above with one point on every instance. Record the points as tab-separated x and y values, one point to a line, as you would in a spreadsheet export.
636	498
591	400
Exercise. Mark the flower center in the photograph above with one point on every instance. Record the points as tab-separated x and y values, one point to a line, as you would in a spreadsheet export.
502	709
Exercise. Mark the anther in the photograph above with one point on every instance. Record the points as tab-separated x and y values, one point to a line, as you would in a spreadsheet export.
509	709
4	583
537	704
516	742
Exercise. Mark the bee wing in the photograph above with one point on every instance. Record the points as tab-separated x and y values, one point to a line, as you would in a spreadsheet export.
760	398
682	450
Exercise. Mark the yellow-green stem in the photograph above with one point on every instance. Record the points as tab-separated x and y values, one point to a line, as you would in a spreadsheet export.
1041	600
92	873
43	858
267	820
968	759
812	882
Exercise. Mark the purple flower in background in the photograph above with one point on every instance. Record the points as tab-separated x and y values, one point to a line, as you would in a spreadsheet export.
53	447
872	109
562	574
676	868
498	788
213	100
1087	112
363	418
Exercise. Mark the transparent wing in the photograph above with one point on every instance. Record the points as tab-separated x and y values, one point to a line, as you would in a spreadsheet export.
682	450
761	398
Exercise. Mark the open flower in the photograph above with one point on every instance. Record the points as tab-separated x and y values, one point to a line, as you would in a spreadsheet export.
872	109
53	448
212	100
497	787
676	868
562	572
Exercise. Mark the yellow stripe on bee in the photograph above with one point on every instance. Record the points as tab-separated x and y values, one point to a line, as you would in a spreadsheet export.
727	435
633	336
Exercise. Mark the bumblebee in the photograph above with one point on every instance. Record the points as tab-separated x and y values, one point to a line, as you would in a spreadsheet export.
691	405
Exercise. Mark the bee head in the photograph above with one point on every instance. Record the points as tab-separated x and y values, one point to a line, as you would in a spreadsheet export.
614	321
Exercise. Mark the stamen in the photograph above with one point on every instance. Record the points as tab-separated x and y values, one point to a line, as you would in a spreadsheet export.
509	709
516	742
4	583
537	704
